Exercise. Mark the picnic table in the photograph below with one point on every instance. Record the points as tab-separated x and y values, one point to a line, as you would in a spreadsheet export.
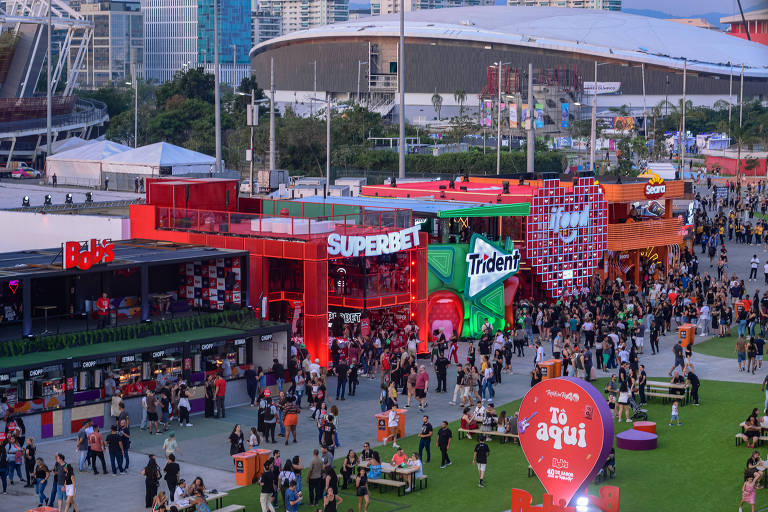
214	499
389	469
667	390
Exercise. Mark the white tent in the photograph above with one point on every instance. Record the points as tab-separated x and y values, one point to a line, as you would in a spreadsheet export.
160	159
82	165
67	144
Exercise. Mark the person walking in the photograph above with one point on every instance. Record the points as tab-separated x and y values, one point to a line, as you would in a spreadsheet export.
342	371
393	421
441	371
81	445
171	470
151	473
15	456
425	438
125	436
29	461
315	478
221	393
361	484
152	417
69	489
268	487
96	446
57	487
210	396
42	474
422	384
480	458
444	436
291	418
237	440
116	450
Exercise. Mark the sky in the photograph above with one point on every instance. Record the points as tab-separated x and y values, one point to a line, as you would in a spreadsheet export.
685	8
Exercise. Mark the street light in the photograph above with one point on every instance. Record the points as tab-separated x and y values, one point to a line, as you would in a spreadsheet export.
135	84
253	120
327	102
360	63
498	120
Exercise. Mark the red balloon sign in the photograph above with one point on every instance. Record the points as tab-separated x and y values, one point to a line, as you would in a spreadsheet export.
566	432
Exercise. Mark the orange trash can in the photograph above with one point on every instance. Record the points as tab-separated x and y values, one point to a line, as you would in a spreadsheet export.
687	334
44	509
262	456
382	424
550	369
245	467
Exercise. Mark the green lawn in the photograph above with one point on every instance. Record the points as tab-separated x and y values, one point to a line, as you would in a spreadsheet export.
116	346
721	347
695	463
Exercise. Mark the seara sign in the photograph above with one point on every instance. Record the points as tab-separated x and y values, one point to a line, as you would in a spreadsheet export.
373	245
566	432
655	188
487	265
87	254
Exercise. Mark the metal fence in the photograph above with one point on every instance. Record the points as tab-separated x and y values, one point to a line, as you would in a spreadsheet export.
88	111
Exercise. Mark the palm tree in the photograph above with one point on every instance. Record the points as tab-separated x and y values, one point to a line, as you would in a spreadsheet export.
437	102
742	136
460	96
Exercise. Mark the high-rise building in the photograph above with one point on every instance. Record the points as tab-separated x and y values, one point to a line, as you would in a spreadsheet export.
393	6
179	35
608	5
266	25
170	30
300	14
117	43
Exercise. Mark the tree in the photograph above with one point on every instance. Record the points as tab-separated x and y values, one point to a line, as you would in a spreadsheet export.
460	96
194	83
437	102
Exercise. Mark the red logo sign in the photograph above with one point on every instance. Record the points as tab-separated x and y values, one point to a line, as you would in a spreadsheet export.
567	232
655	188
84	256
566	432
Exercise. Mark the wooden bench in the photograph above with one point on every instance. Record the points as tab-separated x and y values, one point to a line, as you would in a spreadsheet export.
422	480
395	484
670	396
232	508
504	436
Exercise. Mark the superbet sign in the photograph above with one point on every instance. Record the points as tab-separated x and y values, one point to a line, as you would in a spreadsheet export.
566	433
84	255
566	234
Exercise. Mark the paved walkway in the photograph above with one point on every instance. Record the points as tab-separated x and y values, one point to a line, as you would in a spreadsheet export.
204	450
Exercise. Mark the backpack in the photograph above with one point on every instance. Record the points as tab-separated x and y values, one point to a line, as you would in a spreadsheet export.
268	414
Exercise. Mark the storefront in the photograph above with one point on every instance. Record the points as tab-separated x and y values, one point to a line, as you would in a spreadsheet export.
311	264
558	233
56	391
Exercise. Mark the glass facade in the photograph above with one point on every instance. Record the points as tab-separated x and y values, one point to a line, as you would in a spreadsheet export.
234	31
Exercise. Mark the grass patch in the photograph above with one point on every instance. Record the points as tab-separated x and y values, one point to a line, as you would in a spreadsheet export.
722	347
695	463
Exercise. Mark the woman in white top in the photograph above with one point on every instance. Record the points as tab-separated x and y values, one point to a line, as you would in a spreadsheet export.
415	462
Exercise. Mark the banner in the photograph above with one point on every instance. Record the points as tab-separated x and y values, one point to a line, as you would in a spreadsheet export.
513	123
526	116
487	114
564	121
624	123
602	88
539	115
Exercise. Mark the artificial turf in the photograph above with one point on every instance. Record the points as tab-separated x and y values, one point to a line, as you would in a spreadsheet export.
695	467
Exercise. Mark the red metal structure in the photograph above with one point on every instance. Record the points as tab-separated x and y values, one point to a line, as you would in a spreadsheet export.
290	264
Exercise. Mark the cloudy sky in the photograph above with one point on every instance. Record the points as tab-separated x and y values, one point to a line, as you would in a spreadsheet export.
692	7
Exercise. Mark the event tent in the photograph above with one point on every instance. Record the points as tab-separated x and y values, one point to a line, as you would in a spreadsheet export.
82	165
160	159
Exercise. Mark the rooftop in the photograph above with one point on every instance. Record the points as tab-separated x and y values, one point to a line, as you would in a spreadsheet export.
606	34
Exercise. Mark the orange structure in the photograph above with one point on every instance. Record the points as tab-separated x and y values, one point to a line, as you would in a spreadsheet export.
311	264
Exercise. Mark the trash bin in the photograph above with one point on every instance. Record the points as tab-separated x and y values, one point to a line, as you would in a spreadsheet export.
245	467
687	334
382	424
262	456
550	369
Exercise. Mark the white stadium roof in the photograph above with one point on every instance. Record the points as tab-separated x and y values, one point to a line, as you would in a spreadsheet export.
606	34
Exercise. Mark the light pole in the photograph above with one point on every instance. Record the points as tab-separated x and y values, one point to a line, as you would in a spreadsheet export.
531	136
135	85
217	94
498	120
401	85
272	114
49	93
252	119
593	127
327	139
359	64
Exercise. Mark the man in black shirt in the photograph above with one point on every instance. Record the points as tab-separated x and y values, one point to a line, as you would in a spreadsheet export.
425	438
481	458
328	429
341	378
58	482
677	349
759	345
441	369
693	380
267	482
116	450
444	436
